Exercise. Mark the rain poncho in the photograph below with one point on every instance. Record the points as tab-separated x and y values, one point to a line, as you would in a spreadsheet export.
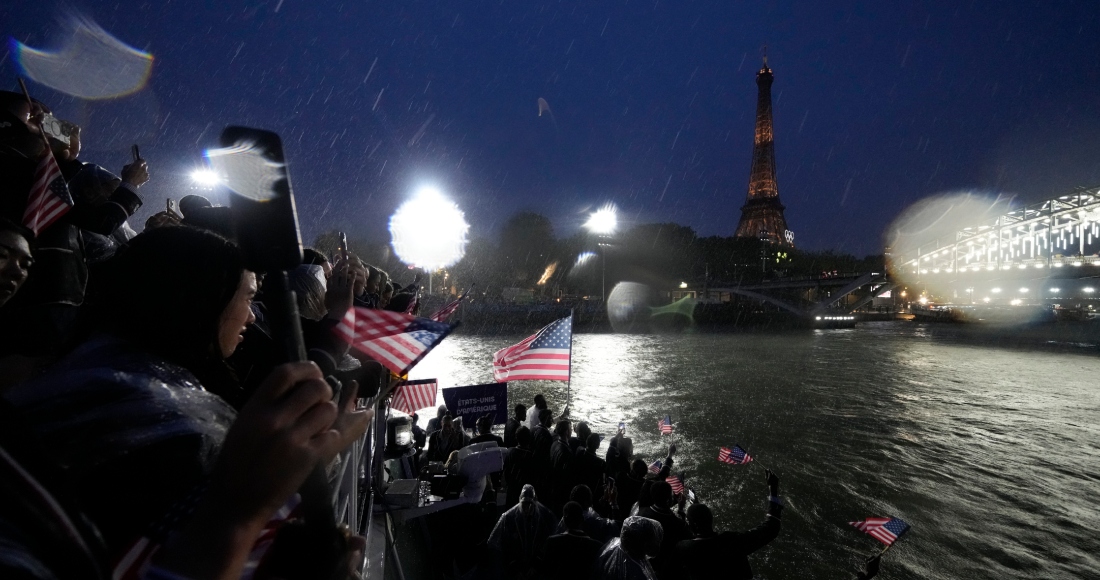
640	536
521	532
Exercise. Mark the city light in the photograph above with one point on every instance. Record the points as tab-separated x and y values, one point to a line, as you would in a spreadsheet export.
1023	290
1016	302
603	221
1055	290
923	300
429	211
205	177
996	290
683	284
1089	290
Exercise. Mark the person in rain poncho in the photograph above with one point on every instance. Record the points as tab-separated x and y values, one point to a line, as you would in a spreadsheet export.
624	558
520	534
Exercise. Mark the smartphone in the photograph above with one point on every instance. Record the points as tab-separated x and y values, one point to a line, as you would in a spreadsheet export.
169	203
264	217
57	129
135	152
622	427
342	248
691	496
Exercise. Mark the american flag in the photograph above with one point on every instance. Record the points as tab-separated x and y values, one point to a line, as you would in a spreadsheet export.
541	356
411	308
655	467
665	425
735	456
411	396
448	309
49	197
885	530
676	482
395	339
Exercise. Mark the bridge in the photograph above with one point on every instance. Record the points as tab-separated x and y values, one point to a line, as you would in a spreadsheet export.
813	296
1037	253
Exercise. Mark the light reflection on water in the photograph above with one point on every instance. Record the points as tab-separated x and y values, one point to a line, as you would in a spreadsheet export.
992	454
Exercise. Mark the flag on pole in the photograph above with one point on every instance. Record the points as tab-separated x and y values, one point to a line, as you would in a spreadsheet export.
676	482
665	425
48	198
411	396
448	309
735	456
885	530
655	467
411	308
395	339
541	356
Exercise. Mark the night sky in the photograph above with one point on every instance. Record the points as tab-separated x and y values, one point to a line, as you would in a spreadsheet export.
877	104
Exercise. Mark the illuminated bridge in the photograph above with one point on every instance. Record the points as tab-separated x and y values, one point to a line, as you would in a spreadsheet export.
1038	253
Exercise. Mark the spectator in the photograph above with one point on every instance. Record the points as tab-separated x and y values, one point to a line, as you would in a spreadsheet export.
596	526
519	465
419	437
485	431
629	483
625	557
45	311
437	423
590	469
443	442
513	424
583	431
15	258
666	563
126	413
520	534
533	413
571	553
710	554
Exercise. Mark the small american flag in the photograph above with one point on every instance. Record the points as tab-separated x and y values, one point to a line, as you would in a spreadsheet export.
448	309
541	356
396	340
885	530
665	425
411	396
676	482
735	456
655	467
49	197
411	308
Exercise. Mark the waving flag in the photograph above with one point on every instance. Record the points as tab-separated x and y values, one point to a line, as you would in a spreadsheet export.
885	530
395	339
677	483
665	425
655	467
411	396
49	197
448	309
541	356
735	456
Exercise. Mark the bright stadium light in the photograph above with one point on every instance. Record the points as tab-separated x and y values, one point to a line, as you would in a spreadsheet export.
603	221
205	177
429	230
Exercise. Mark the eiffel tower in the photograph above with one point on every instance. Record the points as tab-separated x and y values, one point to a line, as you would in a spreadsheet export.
762	214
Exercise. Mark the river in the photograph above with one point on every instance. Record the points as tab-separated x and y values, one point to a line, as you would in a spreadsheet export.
990	452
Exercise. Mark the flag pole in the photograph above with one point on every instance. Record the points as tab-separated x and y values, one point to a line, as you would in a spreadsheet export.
569	382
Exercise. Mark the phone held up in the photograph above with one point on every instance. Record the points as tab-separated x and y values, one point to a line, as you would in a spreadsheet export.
342	247
57	129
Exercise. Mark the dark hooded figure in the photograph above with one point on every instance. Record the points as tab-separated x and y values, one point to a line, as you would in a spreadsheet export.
520	534
624	558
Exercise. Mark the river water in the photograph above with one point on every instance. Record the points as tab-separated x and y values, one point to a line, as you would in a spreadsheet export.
990	452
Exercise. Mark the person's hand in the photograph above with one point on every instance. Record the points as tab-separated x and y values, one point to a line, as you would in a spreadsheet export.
672	449
136	173
351	422
870	568
283	432
72	151
358	273
339	295
773	482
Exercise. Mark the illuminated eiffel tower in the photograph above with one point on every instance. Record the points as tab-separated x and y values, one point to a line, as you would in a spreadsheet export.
762	214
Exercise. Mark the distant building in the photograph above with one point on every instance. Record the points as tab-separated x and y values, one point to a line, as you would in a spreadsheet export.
762	214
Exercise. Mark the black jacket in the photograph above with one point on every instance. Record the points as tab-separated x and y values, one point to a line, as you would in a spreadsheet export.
727	554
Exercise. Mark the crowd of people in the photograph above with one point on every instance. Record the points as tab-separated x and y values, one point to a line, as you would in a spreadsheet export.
151	426
569	512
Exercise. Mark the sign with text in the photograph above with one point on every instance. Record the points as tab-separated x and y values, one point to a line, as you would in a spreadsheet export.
474	401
